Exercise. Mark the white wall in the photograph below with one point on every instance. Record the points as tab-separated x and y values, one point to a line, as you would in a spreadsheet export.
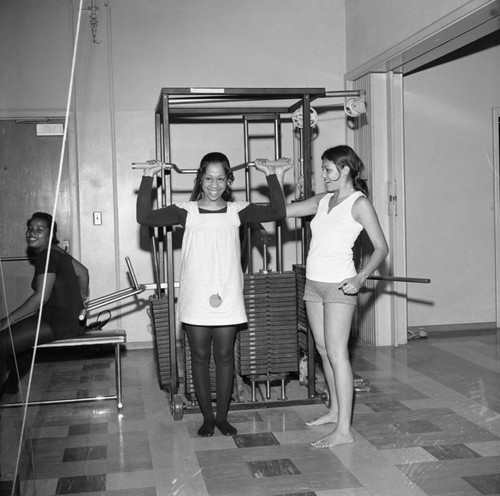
448	136
378	25
35	55
449	187
144	46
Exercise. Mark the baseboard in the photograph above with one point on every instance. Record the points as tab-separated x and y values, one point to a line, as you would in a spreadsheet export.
139	345
475	326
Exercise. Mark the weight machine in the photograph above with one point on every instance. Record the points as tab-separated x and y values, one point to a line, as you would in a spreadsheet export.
268	348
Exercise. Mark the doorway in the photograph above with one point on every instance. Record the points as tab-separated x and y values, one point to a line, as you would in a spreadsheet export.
29	165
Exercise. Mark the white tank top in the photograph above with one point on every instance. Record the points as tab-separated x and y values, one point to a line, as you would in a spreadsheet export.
330	257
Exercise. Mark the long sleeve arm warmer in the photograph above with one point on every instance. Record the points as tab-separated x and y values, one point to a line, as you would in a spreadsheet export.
265	213
166	216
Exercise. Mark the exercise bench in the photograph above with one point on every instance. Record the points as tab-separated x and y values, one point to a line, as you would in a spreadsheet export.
98	337
91	338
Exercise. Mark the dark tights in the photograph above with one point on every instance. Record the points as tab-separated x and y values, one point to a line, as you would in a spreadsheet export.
200	339
21	343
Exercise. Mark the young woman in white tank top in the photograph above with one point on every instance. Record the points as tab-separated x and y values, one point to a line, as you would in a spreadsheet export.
332	282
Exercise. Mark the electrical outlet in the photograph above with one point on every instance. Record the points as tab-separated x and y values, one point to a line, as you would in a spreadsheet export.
97	218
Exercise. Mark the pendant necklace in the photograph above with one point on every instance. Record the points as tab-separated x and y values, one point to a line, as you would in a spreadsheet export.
215	300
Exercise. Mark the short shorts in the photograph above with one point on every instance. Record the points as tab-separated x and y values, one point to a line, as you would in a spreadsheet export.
327	292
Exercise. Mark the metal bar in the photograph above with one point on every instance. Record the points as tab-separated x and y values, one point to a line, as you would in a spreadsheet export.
241	94
277	146
112	297
400	279
307	172
121	296
168	255
56	402
163	285
154	232
244	165
131	271
270	163
254	404
118	377
283	390
196	113
156	264
344	93
246	151
193	96
108	297
145	165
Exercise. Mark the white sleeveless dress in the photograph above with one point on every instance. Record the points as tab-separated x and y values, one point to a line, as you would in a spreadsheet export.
211	278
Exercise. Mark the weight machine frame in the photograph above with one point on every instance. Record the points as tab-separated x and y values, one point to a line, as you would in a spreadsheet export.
177	105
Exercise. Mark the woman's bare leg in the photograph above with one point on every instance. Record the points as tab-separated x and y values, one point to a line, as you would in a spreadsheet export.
338	320
316	318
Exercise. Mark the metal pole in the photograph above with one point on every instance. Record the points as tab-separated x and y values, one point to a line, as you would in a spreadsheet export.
277	156
246	147
169	259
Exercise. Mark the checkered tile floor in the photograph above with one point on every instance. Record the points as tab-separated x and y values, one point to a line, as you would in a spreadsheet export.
430	425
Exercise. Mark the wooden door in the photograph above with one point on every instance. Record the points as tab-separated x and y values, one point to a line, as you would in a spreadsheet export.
29	166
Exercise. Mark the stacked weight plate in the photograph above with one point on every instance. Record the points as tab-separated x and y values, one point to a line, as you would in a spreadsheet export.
189	385
161	328
268	345
300	273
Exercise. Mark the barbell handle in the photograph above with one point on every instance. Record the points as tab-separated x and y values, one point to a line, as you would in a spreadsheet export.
270	163
175	167
275	163
400	279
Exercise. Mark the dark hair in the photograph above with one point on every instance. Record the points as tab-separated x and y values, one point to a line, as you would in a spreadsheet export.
344	156
49	220
209	159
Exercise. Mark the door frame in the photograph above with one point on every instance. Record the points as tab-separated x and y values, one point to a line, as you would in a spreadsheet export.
462	26
36	116
496	200
378	138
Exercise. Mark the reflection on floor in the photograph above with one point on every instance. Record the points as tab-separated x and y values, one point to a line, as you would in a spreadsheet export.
430	425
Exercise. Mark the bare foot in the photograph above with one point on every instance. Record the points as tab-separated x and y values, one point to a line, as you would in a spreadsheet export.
327	418
335	438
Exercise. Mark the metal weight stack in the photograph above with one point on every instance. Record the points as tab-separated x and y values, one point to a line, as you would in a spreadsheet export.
189	385
300	273
267	349
160	316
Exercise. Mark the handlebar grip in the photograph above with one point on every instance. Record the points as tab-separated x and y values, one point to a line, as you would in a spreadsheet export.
82	314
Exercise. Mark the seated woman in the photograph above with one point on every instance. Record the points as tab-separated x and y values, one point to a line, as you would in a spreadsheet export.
66	289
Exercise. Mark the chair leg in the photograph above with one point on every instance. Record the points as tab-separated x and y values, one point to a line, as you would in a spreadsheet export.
118	376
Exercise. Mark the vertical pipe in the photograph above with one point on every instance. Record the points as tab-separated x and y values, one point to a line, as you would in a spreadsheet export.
118	376
154	230
306	156
169	258
299	195
247	155
247	191
277	155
